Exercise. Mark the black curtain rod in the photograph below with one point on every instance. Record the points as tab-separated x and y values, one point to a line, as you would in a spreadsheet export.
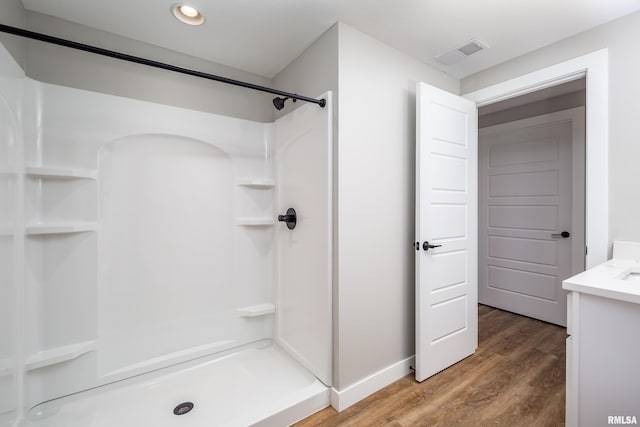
138	60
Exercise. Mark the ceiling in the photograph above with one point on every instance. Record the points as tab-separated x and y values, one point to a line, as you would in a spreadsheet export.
263	36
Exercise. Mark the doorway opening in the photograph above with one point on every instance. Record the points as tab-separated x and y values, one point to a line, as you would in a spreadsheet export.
531	200
594	67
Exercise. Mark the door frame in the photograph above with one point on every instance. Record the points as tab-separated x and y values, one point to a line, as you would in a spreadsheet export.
593	66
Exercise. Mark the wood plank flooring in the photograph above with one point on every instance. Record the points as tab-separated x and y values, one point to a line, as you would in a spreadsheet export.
516	378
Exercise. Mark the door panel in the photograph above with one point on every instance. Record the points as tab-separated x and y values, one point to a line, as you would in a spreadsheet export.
537	150
519	184
451	127
529	217
527	250
446	215
524	282
452	313
447	272
452	220
448	173
525	195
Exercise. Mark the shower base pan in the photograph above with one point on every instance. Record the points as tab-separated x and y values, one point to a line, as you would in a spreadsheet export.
257	385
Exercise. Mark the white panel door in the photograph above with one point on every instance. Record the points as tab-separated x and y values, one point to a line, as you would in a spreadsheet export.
526	187
446	217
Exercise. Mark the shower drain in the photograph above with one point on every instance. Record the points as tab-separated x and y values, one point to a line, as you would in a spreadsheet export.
183	408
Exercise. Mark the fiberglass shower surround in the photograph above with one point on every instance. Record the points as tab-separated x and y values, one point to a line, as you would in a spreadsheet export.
149	237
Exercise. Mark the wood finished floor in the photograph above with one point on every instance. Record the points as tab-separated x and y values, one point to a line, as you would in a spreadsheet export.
515	379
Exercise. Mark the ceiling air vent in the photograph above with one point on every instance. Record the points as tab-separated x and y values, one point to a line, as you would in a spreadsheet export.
461	52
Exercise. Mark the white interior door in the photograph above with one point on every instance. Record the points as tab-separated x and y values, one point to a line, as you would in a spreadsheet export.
446	217
531	189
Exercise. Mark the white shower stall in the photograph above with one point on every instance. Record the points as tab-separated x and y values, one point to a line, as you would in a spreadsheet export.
143	267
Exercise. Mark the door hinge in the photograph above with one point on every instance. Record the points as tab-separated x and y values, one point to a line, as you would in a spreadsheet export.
586	250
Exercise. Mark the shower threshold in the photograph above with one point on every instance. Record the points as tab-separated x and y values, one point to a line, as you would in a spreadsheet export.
257	385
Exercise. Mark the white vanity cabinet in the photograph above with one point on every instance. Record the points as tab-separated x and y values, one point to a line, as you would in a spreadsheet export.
603	347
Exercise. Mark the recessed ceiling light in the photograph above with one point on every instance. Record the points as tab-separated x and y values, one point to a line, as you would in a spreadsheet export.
187	14
189	11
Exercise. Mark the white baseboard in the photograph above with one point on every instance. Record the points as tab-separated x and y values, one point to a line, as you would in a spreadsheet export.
342	399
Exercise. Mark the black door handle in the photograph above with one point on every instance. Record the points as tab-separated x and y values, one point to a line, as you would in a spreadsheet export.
426	246
564	235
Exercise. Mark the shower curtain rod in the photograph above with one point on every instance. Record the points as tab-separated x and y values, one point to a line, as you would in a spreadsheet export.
138	60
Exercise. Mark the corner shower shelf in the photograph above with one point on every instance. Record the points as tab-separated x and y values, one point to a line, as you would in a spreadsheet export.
61	173
263	184
58	228
59	355
256	310
255	222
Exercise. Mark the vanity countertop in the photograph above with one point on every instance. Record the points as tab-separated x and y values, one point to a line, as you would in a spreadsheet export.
608	280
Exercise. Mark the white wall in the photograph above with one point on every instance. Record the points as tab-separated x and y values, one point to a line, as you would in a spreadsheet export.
376	173
620	37
68	67
312	73
12	13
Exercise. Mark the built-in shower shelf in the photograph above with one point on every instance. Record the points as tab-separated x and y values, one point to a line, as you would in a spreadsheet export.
6	367
59	228
263	184
61	173
256	310
255	222
59	354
